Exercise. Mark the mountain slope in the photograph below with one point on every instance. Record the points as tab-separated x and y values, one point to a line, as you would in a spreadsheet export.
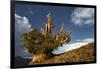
82	54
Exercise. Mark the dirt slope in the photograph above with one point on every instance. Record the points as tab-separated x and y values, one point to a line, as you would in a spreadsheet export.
82	54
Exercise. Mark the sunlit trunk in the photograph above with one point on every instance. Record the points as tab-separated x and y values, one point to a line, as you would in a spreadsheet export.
38	58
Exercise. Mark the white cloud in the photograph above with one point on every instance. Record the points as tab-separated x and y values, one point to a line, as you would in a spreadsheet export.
83	16
22	24
77	44
88	40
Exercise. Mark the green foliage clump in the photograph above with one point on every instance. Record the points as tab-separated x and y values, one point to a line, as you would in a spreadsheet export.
34	42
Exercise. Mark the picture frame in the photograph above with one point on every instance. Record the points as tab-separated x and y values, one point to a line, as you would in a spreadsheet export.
55	9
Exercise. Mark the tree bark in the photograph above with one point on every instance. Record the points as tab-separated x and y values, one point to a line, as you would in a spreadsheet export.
38	58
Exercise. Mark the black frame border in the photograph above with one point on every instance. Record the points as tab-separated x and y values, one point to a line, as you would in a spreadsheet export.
12	32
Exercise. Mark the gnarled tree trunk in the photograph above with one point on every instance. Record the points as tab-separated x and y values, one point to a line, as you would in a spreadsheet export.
40	58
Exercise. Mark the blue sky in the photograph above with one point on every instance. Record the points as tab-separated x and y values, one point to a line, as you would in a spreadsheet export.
78	20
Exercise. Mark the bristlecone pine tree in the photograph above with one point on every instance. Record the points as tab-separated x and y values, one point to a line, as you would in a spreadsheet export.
42	43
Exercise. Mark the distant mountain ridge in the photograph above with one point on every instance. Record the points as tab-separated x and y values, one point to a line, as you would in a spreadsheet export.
20	61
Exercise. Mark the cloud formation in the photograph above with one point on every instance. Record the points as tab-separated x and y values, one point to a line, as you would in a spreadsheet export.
83	16
77	44
88	40
22	24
